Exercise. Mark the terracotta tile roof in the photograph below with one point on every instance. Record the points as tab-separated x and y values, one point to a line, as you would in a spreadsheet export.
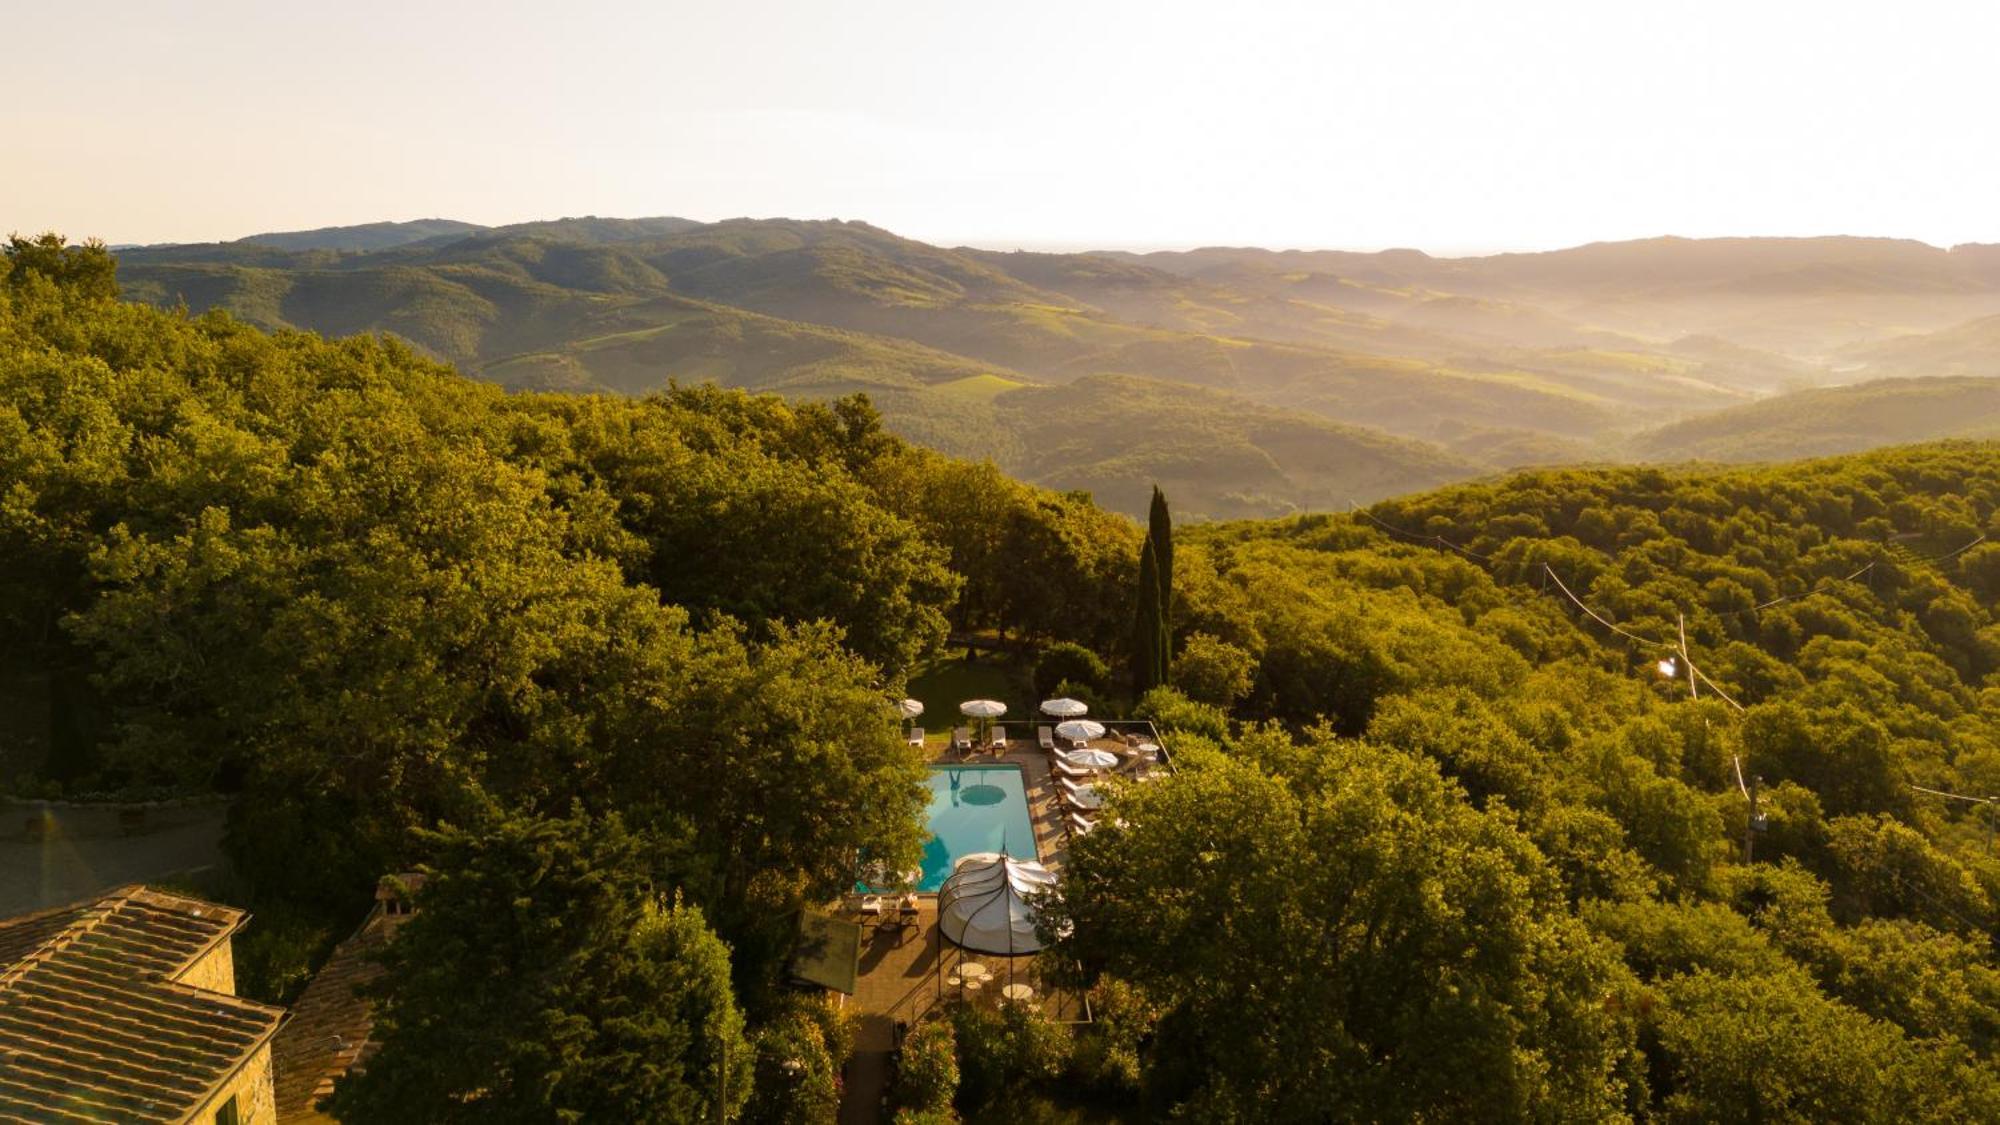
93	1024
330	1025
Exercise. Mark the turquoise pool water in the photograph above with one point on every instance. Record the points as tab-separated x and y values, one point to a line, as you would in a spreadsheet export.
975	809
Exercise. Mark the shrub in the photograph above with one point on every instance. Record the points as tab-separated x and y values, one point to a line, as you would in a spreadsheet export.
1005	1049
927	1076
797	1079
1066	661
1175	713
1106	1056
1208	669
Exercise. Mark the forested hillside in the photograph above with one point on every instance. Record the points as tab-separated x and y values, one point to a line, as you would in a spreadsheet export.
1477	364
1848	419
1460	827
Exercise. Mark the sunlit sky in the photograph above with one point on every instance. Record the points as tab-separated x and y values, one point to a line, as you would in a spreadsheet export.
1454	127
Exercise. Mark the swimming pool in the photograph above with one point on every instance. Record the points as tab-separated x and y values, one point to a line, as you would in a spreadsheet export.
975	809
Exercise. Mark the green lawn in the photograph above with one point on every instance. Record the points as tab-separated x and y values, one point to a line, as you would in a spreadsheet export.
945	684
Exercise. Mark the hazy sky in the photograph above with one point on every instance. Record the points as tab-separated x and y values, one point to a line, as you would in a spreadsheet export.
1449	126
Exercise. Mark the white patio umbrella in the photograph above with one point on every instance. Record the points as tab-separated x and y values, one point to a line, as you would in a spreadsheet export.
910	708
1091	759
1065	708
985	710
987	905
1089	797
1080	730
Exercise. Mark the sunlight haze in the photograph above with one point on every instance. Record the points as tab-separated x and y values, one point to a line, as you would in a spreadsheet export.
1451	127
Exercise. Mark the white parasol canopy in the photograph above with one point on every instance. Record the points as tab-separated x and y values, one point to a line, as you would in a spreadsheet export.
982	708
1065	708
910	708
1089	797
1091	759
987	904
1081	729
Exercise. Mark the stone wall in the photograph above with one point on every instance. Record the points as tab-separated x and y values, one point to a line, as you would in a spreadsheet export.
214	971
256	1097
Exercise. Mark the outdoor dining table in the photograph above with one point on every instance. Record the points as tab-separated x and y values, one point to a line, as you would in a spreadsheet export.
1019	992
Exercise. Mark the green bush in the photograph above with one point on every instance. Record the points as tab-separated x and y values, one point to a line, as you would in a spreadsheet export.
1106	1055
1066	661
927	1075
797	1078
1175	713
1015	1046
1210	670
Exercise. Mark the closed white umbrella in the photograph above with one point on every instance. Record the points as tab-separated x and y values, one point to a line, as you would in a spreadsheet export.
1065	708
1080	730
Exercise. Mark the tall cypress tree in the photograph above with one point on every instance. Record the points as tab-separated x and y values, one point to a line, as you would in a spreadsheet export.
1160	534
1148	627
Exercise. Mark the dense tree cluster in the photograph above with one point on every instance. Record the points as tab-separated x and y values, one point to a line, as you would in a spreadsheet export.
1446	781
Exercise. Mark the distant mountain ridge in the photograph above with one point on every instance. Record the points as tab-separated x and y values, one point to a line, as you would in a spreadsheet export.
367	236
1285	377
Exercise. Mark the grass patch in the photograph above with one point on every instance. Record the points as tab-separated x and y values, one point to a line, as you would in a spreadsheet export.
944	684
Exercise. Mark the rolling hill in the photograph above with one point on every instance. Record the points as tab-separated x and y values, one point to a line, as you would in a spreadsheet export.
1259	381
1830	420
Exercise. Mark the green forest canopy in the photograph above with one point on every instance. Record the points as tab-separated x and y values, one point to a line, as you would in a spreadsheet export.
1457	849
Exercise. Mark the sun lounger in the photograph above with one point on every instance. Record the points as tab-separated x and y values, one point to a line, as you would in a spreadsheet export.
916	736
999	740
1064	770
961	740
871	906
1045	738
1078	824
1066	792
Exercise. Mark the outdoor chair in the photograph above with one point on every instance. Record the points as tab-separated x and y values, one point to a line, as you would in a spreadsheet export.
871	906
998	743
961	740
1045	738
916	736
1078	824
1064	771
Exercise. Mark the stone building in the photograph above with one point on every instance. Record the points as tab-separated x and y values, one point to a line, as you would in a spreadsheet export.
122	1008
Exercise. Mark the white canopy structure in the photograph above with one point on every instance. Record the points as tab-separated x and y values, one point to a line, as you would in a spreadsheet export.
982	708
987	903
1082	730
910	708
1065	708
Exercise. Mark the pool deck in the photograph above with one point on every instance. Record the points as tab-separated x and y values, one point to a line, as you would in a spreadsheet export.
899	967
